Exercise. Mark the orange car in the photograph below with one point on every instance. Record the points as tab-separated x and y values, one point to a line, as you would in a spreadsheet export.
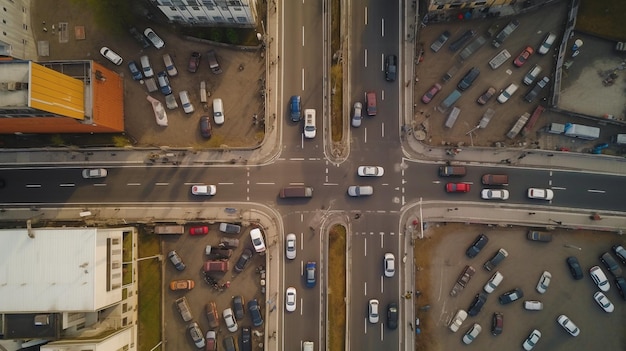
182	285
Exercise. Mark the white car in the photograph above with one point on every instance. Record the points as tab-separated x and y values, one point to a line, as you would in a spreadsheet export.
370	171
533	305
507	93
493	283
599	278
360	190
472	333
458	320
542	194
290	246
494	194
111	55
184	100
531	340
603	301
207	190
373	311
544	282
309	123
169	65
229	318
389	264
146	67
154	38
290	299
257	240
94	173
568	325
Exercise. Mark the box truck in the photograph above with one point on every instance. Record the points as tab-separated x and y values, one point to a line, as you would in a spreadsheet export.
581	132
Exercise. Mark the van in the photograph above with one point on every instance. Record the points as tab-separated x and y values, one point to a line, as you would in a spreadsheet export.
309	123
449	101
452	171
468	79
546	44
370	99
218	111
532	75
230	228
296	191
507	93
452	117
308	346
495	179
183	309
499	59
145	65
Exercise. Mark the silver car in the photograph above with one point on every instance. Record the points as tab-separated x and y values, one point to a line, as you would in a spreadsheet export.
360	190
94	173
154	38
290	246
357	116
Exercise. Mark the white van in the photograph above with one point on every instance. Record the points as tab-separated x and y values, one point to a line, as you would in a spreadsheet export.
308	346
145	65
547	44
218	111
532	75
309	123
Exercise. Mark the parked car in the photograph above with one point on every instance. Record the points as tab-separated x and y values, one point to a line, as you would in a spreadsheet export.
542	194
370	171
611	264
544	282
546	44
246	339
457	321
290	299
135	72
533	305
176	260
141	39
290	246
389	265
478	244
534	235
199	230
196	335
256	236
169	65
93	173
357	114
229	319
468	79
494	194
507	93
214	65
372	308
620	283
620	252
145	66
441	40
194	62
205	127
392	316
164	83
486	96
599	278
238	307
255	313
477	304
243	260
430	94
360	190
568	325
511	295
184	284
532	93
230	228
184	100
494	261
391	67
472	333
211	340
211	315
458	187
208	190
497	323
574	268
457	44
295	108
603	302
310	274
523	56
111	55
493	282
154	38
531	340
229	343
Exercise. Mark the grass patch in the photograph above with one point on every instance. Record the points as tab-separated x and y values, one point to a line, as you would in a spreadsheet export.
602	18
336	74
337	288
422	250
149	326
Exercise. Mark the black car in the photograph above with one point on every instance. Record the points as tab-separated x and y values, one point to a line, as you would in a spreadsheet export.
618	250
462	40
477	304
246	255
205	127
468	78
611	264
392	315
238	307
620	283
511	296
477	245
194	62
229	343
574	268
497	323
255	313
391	67
246	339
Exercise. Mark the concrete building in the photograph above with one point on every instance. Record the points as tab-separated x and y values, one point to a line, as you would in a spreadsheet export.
74	288
60	97
16	39
226	13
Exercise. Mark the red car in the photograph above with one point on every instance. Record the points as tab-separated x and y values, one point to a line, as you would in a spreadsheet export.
523	57
201	230
457	187
430	94
194	62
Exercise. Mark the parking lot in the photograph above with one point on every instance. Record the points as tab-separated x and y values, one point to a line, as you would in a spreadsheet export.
521	269
247	284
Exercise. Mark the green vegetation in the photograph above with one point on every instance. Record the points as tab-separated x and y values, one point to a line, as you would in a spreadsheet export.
602	18
150	288
112	15
336	74
336	309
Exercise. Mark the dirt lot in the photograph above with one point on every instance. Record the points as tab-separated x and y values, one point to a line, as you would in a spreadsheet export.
240	90
525	263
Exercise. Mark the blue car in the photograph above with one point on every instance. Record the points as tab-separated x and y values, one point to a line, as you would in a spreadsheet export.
310	274
295	108
255	313
164	83
134	70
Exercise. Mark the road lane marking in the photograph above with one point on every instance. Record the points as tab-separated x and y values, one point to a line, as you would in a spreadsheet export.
365	247
303	79
365	57
100	184
67	185
138	184
382	27
303	33
33	185
161	184
382	285
365	325
596	191
365	135
365	288
382	62
366	15
382	130
297	159
382	95
382	242
230	183
301	306
260	183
